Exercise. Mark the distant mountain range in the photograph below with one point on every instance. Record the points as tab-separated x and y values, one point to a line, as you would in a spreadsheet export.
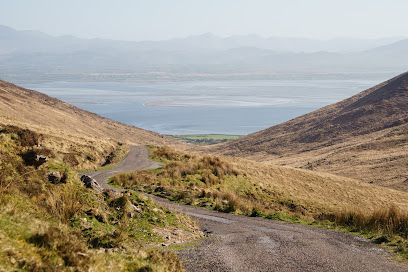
32	52
35	41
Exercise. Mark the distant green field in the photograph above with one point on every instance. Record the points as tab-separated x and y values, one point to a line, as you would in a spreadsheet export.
204	139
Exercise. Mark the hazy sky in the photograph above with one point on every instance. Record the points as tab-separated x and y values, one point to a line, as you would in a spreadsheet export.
164	19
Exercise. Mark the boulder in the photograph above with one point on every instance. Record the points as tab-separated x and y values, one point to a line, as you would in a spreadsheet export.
41	159
55	177
89	182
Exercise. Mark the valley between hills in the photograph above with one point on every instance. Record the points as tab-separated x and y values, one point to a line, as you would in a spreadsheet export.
342	167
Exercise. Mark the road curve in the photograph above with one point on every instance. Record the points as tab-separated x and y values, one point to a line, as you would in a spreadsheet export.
136	159
240	243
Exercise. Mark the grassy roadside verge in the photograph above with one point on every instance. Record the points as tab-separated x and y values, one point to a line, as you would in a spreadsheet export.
387	227
207	182
113	160
210	182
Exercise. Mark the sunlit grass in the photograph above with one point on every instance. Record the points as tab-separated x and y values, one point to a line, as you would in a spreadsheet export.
67	227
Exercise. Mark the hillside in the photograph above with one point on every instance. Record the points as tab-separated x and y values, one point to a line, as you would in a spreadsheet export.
82	228
50	221
87	137
27	108
361	137
84	140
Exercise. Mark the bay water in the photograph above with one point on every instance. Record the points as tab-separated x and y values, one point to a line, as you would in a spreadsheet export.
235	107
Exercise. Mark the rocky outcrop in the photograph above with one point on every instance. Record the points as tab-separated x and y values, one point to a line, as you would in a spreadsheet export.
56	177
89	182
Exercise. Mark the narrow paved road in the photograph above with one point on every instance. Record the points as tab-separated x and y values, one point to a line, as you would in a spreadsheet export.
136	159
239	243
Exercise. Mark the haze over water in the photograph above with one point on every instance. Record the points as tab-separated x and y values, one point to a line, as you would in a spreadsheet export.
201	107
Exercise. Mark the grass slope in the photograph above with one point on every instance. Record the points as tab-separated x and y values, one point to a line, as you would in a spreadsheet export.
256	189
362	137
44	114
274	187
64	226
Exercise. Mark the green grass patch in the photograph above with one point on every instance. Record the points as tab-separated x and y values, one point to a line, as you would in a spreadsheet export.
206	136
204	139
107	167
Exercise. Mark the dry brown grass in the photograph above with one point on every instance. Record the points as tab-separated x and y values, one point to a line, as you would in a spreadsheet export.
70	246
373	158
251	185
281	193
51	117
315	192
66	227
362	137
390	222
76	150
320	190
127	180
65	201
190	176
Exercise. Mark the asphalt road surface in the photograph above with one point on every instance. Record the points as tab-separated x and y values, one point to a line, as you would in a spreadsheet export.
136	159
240	243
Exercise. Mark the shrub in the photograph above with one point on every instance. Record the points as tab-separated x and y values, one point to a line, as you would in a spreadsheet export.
70	159
209	178
132	179
68	246
65	201
25	137
167	153
391	221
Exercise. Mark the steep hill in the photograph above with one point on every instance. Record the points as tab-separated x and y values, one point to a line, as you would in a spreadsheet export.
83	139
47	114
364	136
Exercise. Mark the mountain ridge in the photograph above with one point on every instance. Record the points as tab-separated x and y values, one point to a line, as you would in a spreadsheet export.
31	55
206	40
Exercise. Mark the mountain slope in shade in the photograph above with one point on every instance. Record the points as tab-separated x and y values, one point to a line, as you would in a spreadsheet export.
44	114
362	137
